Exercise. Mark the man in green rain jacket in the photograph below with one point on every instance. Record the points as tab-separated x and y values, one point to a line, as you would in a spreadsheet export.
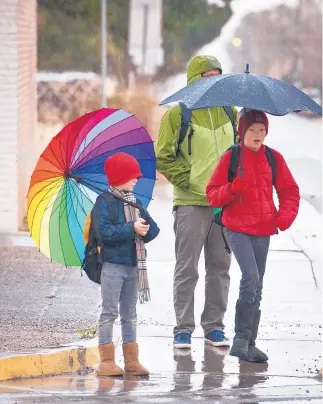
194	227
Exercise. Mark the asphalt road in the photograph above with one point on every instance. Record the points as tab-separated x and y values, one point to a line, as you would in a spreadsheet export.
42	304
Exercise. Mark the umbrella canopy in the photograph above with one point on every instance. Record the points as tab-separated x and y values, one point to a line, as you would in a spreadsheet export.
70	174
245	90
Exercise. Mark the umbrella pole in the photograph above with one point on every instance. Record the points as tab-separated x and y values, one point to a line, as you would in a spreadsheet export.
103	51
80	180
241	159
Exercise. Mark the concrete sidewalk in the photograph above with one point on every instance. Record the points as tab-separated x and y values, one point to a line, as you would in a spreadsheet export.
42	304
290	333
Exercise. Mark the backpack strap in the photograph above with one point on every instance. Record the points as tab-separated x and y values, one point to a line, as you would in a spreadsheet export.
186	124
229	112
234	162
272	162
112	205
92	232
94	238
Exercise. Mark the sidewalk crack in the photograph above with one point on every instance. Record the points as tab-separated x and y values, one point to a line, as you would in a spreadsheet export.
302	251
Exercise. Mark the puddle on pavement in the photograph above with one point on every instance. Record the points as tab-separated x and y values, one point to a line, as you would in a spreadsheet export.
213	374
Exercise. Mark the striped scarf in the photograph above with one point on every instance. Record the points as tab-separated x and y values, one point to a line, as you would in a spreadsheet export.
133	214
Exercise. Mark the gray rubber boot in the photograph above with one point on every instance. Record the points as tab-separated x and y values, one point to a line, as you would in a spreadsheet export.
254	353
243	329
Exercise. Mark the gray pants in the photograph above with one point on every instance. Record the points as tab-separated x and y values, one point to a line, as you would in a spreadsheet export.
118	287
194	229
251	254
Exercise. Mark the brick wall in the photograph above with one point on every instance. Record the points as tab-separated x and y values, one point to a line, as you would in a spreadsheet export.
27	98
17	107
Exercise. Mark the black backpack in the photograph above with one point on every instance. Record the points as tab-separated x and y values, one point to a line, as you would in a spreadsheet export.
232	172
186	124
93	259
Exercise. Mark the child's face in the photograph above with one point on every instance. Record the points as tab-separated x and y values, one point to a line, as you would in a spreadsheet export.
128	186
255	136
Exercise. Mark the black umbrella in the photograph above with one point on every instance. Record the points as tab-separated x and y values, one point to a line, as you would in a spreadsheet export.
253	91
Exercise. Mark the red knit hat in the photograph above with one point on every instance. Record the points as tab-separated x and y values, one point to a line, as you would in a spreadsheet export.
249	117
121	168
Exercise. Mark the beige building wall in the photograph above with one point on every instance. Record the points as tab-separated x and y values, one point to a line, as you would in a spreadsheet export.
18	109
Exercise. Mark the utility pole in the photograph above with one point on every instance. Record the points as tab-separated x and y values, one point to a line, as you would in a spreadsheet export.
145	39
144	42
103	51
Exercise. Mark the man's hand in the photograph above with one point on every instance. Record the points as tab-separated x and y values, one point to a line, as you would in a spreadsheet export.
140	227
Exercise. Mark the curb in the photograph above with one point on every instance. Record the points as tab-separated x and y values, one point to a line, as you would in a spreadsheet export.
16	239
45	363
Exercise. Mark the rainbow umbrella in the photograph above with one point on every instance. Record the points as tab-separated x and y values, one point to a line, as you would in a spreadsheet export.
70	174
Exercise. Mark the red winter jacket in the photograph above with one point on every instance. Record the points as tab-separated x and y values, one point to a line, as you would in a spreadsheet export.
253	211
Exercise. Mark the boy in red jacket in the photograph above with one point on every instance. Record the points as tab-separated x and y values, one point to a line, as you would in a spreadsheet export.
250	218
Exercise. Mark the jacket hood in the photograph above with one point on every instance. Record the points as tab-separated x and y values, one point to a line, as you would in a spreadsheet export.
199	65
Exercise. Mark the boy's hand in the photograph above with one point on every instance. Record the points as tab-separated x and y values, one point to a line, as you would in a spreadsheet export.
140	227
238	185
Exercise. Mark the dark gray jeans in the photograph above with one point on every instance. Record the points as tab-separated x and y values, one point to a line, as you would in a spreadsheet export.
251	254
194	229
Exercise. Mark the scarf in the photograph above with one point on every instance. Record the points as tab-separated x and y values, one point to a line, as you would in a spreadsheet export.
133	214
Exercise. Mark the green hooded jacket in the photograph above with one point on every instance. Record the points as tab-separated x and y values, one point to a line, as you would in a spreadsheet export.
213	135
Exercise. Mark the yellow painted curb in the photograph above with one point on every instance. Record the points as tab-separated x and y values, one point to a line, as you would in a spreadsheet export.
66	360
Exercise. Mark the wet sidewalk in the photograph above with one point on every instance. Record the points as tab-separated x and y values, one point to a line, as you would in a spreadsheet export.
214	380
290	334
204	375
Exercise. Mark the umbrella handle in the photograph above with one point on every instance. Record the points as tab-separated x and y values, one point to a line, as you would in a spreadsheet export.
100	190
80	180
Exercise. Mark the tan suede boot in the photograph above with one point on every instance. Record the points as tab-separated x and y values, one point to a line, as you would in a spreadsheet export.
107	366
132	364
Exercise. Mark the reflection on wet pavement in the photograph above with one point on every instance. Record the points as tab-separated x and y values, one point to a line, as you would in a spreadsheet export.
290	333
205	375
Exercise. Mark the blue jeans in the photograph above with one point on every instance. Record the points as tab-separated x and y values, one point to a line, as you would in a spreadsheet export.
251	254
118	287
